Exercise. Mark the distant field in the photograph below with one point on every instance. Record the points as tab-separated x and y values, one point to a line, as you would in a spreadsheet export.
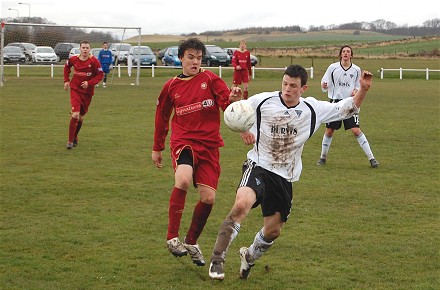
95	217
366	44
309	37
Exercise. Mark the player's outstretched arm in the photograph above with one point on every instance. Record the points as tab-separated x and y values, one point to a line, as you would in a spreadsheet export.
365	82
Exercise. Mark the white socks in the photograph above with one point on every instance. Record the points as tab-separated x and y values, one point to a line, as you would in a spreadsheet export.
258	247
326	142
363	142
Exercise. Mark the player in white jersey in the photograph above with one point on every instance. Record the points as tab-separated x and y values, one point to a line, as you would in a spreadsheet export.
341	81
285	121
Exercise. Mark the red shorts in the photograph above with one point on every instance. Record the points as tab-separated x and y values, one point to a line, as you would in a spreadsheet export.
241	76
80	102
206	164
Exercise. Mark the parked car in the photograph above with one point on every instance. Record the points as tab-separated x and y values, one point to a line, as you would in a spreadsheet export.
170	56
230	51
161	53
62	49
44	54
26	47
216	56
74	51
13	54
120	51
95	52
142	55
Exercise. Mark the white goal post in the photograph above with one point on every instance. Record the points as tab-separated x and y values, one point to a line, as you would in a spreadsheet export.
34	34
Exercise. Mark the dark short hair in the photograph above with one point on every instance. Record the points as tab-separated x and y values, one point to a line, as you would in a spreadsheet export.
344	46
85	42
191	43
297	71
105	42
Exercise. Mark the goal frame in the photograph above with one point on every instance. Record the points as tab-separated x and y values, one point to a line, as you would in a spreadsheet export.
4	26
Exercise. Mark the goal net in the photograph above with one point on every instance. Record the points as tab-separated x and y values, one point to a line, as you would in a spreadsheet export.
62	39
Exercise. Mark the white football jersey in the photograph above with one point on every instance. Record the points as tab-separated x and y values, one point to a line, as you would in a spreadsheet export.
341	82
281	131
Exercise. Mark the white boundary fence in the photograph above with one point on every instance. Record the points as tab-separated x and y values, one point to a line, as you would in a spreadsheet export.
121	68
427	70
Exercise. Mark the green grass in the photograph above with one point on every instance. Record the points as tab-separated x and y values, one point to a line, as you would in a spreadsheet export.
95	217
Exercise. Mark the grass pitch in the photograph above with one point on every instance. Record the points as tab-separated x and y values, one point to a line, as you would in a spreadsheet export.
95	217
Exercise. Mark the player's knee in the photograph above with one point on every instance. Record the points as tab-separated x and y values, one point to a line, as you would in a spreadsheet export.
207	198
240	206
75	115
183	182
356	131
329	132
272	233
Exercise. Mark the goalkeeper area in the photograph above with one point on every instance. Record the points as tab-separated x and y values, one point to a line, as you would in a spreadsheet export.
62	38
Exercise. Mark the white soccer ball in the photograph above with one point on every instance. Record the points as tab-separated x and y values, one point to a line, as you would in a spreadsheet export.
239	116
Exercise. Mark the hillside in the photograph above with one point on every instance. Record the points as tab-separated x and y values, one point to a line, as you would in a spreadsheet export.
335	35
324	43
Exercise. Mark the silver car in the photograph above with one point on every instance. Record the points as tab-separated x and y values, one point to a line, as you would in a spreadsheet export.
44	54
74	51
13	54
26	47
142	55
120	51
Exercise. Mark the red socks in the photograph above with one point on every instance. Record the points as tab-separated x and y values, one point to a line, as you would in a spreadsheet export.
78	127
245	94
176	206
198	222
199	218
72	129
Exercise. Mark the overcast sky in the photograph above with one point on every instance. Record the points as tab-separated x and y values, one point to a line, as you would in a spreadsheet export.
177	17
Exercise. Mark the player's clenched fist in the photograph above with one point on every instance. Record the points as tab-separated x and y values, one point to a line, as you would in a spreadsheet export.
366	79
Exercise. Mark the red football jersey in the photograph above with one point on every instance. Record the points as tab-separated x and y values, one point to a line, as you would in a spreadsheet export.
88	70
196	102
243	59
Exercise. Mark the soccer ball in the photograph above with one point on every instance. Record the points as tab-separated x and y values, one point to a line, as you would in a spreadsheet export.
239	116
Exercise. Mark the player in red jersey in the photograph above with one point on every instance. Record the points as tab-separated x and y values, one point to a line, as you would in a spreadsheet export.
241	60
196	97
87	73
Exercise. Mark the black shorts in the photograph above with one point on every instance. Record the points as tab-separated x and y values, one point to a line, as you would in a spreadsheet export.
185	157
352	122
274	193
